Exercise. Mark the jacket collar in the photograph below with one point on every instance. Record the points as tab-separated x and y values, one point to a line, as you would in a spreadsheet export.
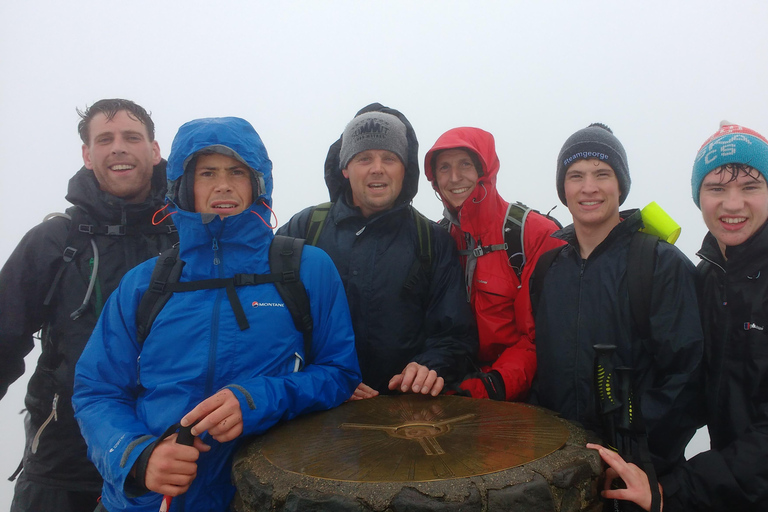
631	221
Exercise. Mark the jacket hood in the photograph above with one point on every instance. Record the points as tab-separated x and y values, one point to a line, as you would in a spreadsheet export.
84	191
232	133
479	142
338	185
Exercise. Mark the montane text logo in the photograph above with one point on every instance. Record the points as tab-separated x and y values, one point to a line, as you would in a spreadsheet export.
748	326
257	304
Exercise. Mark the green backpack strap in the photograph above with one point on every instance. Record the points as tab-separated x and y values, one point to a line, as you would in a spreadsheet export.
640	264
514	233
285	260
316	222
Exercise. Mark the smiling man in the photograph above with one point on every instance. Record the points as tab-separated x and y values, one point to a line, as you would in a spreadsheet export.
729	186
224	356
585	300
413	326
463	166
45	286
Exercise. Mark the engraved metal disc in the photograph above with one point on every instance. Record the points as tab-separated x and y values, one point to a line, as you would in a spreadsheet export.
413	438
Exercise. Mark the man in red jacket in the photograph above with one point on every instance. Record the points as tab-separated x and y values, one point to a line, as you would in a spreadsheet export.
462	167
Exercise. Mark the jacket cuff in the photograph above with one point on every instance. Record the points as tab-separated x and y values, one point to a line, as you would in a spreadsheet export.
494	385
135	485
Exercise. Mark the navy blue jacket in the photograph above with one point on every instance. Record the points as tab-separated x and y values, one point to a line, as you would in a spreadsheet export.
431	325
733	474
586	302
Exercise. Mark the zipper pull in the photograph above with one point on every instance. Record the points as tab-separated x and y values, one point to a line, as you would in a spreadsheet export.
215	248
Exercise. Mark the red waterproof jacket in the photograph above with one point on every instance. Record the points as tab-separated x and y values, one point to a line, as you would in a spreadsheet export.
500	301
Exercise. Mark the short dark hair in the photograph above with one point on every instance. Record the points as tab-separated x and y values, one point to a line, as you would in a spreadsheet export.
731	172
110	108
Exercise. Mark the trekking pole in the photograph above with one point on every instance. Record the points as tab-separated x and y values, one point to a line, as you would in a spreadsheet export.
632	424
605	385
186	438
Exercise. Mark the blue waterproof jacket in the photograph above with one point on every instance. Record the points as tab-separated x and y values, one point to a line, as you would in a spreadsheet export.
126	395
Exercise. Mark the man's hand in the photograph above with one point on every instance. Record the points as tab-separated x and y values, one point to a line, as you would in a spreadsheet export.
363	391
416	378
638	488
172	467
220	415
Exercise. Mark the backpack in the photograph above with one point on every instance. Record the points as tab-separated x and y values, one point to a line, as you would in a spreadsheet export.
284	263
319	215
640	264
81	233
514	236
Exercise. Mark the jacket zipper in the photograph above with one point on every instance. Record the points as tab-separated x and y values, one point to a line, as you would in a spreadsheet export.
54	416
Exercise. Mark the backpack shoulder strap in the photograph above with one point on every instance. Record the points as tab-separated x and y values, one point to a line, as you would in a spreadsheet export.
316	222
167	270
640	264
537	278
76	241
514	235
285	260
423	260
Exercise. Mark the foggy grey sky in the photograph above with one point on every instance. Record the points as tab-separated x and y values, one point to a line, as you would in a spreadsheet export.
662	75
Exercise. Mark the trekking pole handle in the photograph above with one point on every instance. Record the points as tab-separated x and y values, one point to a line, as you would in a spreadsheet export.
186	438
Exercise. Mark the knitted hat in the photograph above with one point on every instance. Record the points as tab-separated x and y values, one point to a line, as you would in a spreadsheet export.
731	144
594	141
373	130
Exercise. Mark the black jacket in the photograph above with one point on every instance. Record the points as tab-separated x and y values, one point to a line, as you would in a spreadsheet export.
55	452
733	474
432	325
586	302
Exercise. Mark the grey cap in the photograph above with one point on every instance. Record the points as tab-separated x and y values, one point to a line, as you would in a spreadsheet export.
373	130
594	141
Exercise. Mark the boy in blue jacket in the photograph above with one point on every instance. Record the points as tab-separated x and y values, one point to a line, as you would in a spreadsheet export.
200	365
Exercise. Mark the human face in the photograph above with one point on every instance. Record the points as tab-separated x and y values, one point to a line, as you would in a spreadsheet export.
733	211
456	176
376	178
121	156
592	194
222	185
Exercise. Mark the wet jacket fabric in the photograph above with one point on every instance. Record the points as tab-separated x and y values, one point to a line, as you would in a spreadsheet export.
499	299
586	302
126	395
432	324
58	457
733	474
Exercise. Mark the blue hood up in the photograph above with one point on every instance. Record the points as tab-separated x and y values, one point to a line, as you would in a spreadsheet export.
234	133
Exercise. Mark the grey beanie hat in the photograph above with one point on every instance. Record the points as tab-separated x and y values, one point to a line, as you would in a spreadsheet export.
373	130
594	141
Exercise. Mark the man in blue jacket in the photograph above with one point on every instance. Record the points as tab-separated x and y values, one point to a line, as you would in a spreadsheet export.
413	325
199	364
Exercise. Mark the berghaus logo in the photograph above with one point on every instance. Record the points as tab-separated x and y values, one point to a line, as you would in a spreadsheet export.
748	326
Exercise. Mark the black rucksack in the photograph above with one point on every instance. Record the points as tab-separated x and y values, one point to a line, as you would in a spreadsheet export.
514	236
284	263
81	233
641	261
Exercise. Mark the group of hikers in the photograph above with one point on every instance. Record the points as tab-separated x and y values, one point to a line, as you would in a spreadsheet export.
174	323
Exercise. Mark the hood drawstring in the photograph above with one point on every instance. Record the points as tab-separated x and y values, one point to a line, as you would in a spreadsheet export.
156	222
272	214
483	198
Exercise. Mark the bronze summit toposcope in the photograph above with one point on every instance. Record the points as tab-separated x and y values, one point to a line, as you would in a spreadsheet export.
413	438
